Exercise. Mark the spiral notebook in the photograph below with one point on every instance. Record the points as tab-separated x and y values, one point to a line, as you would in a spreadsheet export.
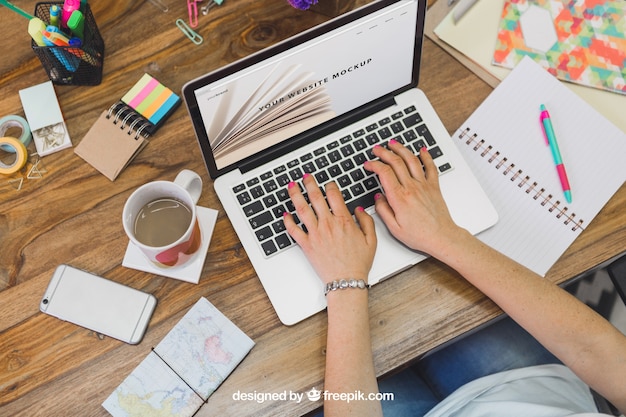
504	145
121	131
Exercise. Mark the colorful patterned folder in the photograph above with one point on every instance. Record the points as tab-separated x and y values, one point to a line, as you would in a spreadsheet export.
580	41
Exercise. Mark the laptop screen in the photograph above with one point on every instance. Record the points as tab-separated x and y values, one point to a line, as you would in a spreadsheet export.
314	79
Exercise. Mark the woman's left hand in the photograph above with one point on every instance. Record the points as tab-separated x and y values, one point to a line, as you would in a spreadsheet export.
336	246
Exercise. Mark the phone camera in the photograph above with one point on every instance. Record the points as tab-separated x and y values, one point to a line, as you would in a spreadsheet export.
45	301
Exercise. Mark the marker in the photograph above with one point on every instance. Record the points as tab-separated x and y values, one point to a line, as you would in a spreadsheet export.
55	12
76	23
35	28
55	38
68	7
556	154
76	42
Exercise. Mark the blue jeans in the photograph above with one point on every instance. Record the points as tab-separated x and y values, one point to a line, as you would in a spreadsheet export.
500	346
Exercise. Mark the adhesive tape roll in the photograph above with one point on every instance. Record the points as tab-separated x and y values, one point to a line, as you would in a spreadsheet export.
8	122
20	152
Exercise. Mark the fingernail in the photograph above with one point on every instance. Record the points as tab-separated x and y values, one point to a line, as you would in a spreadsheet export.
423	149
291	184
377	196
393	142
285	213
377	146
306	175
359	208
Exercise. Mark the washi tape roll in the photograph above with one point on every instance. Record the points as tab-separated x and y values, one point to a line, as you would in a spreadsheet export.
13	120
17	147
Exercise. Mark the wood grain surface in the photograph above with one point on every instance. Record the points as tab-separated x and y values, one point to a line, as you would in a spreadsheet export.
73	215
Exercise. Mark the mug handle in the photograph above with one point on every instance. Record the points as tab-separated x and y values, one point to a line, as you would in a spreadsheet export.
191	182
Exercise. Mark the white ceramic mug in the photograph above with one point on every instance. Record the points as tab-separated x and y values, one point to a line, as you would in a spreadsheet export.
186	187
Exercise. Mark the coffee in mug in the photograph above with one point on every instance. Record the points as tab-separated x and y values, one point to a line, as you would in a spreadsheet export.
160	219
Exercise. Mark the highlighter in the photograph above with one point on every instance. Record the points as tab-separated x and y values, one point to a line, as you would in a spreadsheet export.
55	12
36	26
76	23
55	37
68	7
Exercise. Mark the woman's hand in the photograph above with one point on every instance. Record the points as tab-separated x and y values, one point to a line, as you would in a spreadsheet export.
412	208
336	246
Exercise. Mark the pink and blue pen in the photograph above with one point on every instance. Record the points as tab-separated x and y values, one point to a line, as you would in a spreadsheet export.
556	154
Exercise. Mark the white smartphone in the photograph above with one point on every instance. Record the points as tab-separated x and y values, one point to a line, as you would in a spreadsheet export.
98	304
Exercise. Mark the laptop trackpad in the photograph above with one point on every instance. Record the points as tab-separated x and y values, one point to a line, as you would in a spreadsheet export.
392	256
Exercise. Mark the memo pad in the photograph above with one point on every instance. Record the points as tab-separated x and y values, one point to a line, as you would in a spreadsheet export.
121	132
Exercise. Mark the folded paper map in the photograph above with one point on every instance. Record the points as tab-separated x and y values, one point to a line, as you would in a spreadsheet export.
184	369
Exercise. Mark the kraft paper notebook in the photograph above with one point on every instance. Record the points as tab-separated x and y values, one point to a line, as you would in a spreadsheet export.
504	144
121	132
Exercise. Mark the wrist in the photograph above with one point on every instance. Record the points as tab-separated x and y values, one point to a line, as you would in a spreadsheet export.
449	248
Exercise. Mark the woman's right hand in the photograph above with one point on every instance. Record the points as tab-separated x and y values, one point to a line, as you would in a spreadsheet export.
412	206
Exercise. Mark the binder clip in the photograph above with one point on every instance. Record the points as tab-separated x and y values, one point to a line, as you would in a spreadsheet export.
205	9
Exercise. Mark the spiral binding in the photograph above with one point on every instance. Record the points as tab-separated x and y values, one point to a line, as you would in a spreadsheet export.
523	181
131	119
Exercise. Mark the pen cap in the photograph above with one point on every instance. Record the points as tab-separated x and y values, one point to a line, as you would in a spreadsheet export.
35	28
78	63
76	23
55	14
68	7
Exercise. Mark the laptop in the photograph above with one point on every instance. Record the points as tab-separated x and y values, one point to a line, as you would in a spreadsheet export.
317	103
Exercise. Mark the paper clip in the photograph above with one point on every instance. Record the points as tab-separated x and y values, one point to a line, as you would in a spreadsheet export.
192	9
17	183
193	36
205	9
158	3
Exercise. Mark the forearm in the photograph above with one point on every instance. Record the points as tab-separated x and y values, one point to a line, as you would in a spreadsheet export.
349	362
578	336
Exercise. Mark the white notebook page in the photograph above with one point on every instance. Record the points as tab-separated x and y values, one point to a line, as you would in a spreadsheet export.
593	152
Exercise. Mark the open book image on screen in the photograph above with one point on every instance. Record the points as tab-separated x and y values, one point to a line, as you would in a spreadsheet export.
270	105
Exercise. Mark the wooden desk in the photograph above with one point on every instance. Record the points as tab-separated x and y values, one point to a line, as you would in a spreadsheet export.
73	215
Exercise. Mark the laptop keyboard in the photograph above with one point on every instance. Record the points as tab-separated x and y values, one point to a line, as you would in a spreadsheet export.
263	199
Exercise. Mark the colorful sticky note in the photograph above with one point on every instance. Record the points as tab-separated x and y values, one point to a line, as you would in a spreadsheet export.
151	99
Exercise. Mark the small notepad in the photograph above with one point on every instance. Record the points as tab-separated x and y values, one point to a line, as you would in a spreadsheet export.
121	132
185	368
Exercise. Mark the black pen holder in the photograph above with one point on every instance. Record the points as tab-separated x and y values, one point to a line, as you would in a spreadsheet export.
70	65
